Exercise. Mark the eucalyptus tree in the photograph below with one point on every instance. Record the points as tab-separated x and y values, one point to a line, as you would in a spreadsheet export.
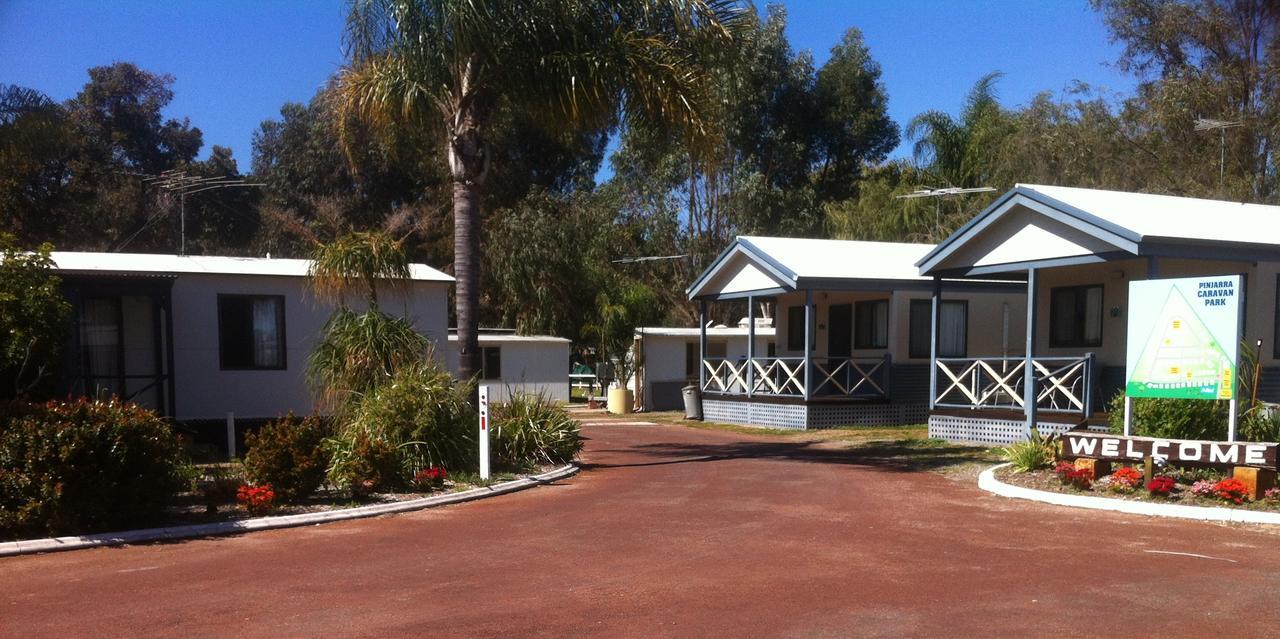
442	67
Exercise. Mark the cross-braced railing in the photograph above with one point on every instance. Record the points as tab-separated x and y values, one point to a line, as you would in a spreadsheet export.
785	376
1063	384
725	375
851	377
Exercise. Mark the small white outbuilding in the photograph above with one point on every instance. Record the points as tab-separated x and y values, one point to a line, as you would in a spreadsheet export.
513	363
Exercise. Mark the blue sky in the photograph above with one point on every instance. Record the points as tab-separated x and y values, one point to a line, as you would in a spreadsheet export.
237	61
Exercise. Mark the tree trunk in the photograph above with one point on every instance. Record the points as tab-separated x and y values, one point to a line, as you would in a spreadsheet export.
466	269
468	167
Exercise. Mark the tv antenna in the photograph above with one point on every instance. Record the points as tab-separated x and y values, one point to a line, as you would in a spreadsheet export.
1221	126
946	191
180	182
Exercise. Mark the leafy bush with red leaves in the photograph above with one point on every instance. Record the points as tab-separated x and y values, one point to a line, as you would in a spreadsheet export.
1160	486
289	455
86	466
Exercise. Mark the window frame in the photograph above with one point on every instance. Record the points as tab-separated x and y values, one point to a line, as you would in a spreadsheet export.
795	337
1081	293
280	329
927	305
857	306
484	363
1275	318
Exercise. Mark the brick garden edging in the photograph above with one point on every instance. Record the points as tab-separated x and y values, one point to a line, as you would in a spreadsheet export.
987	481
53	544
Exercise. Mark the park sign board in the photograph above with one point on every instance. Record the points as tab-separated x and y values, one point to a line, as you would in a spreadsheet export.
1183	337
1175	451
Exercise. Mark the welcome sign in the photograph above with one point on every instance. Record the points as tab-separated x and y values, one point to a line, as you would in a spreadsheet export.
1178	451
1182	338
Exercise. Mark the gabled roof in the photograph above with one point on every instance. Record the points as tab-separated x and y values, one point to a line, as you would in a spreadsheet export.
769	265
754	265
1063	223
85	262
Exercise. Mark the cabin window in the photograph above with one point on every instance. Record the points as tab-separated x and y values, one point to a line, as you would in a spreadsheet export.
1275	342
490	362
795	328
871	324
953	328
251	332
839	330
1075	316
101	345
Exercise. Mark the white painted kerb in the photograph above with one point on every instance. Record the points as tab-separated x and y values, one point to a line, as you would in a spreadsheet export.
987	481
53	544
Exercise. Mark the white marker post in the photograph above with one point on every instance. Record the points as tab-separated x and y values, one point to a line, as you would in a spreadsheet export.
484	432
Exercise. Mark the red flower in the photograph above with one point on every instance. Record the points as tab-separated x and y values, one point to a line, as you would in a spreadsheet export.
257	500
1232	490
1160	486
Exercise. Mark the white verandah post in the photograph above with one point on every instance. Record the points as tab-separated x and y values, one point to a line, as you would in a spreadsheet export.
751	344
808	344
702	345
934	310
1028	362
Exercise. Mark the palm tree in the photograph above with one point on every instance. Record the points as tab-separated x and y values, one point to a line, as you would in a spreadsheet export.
961	152
441	67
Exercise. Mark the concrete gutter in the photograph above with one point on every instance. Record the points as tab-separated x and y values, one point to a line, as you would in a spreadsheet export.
53	544
987	481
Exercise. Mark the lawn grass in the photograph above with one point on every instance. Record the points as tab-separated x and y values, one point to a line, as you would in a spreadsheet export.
908	447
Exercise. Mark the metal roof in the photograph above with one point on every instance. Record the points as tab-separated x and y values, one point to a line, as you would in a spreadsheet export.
1132	224
792	264
498	338
712	331
86	262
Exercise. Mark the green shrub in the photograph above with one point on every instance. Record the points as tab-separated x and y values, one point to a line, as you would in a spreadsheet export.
1032	454
362	463
424	413
289	455
532	429
1260	424
1172	418
86	466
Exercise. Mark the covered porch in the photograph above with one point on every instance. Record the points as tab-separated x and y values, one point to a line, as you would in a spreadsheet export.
1076	250
120	340
851	332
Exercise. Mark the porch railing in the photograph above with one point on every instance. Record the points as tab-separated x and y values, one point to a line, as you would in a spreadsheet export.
785	376
1063	384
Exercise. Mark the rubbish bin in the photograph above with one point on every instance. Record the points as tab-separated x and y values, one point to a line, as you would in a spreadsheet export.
692	403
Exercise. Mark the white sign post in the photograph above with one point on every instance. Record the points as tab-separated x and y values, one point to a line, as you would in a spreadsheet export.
484	432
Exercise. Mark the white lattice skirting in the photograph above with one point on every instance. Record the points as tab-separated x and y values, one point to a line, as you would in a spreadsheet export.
801	416
985	430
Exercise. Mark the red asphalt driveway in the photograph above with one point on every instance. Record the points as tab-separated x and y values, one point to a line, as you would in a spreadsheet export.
671	531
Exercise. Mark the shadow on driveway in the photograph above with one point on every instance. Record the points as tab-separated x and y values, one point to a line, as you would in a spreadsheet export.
899	456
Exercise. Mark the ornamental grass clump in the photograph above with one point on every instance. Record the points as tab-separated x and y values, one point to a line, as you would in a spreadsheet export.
531	429
1032	454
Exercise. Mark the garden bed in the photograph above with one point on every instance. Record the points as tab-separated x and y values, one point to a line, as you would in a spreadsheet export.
191	507
1183	493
